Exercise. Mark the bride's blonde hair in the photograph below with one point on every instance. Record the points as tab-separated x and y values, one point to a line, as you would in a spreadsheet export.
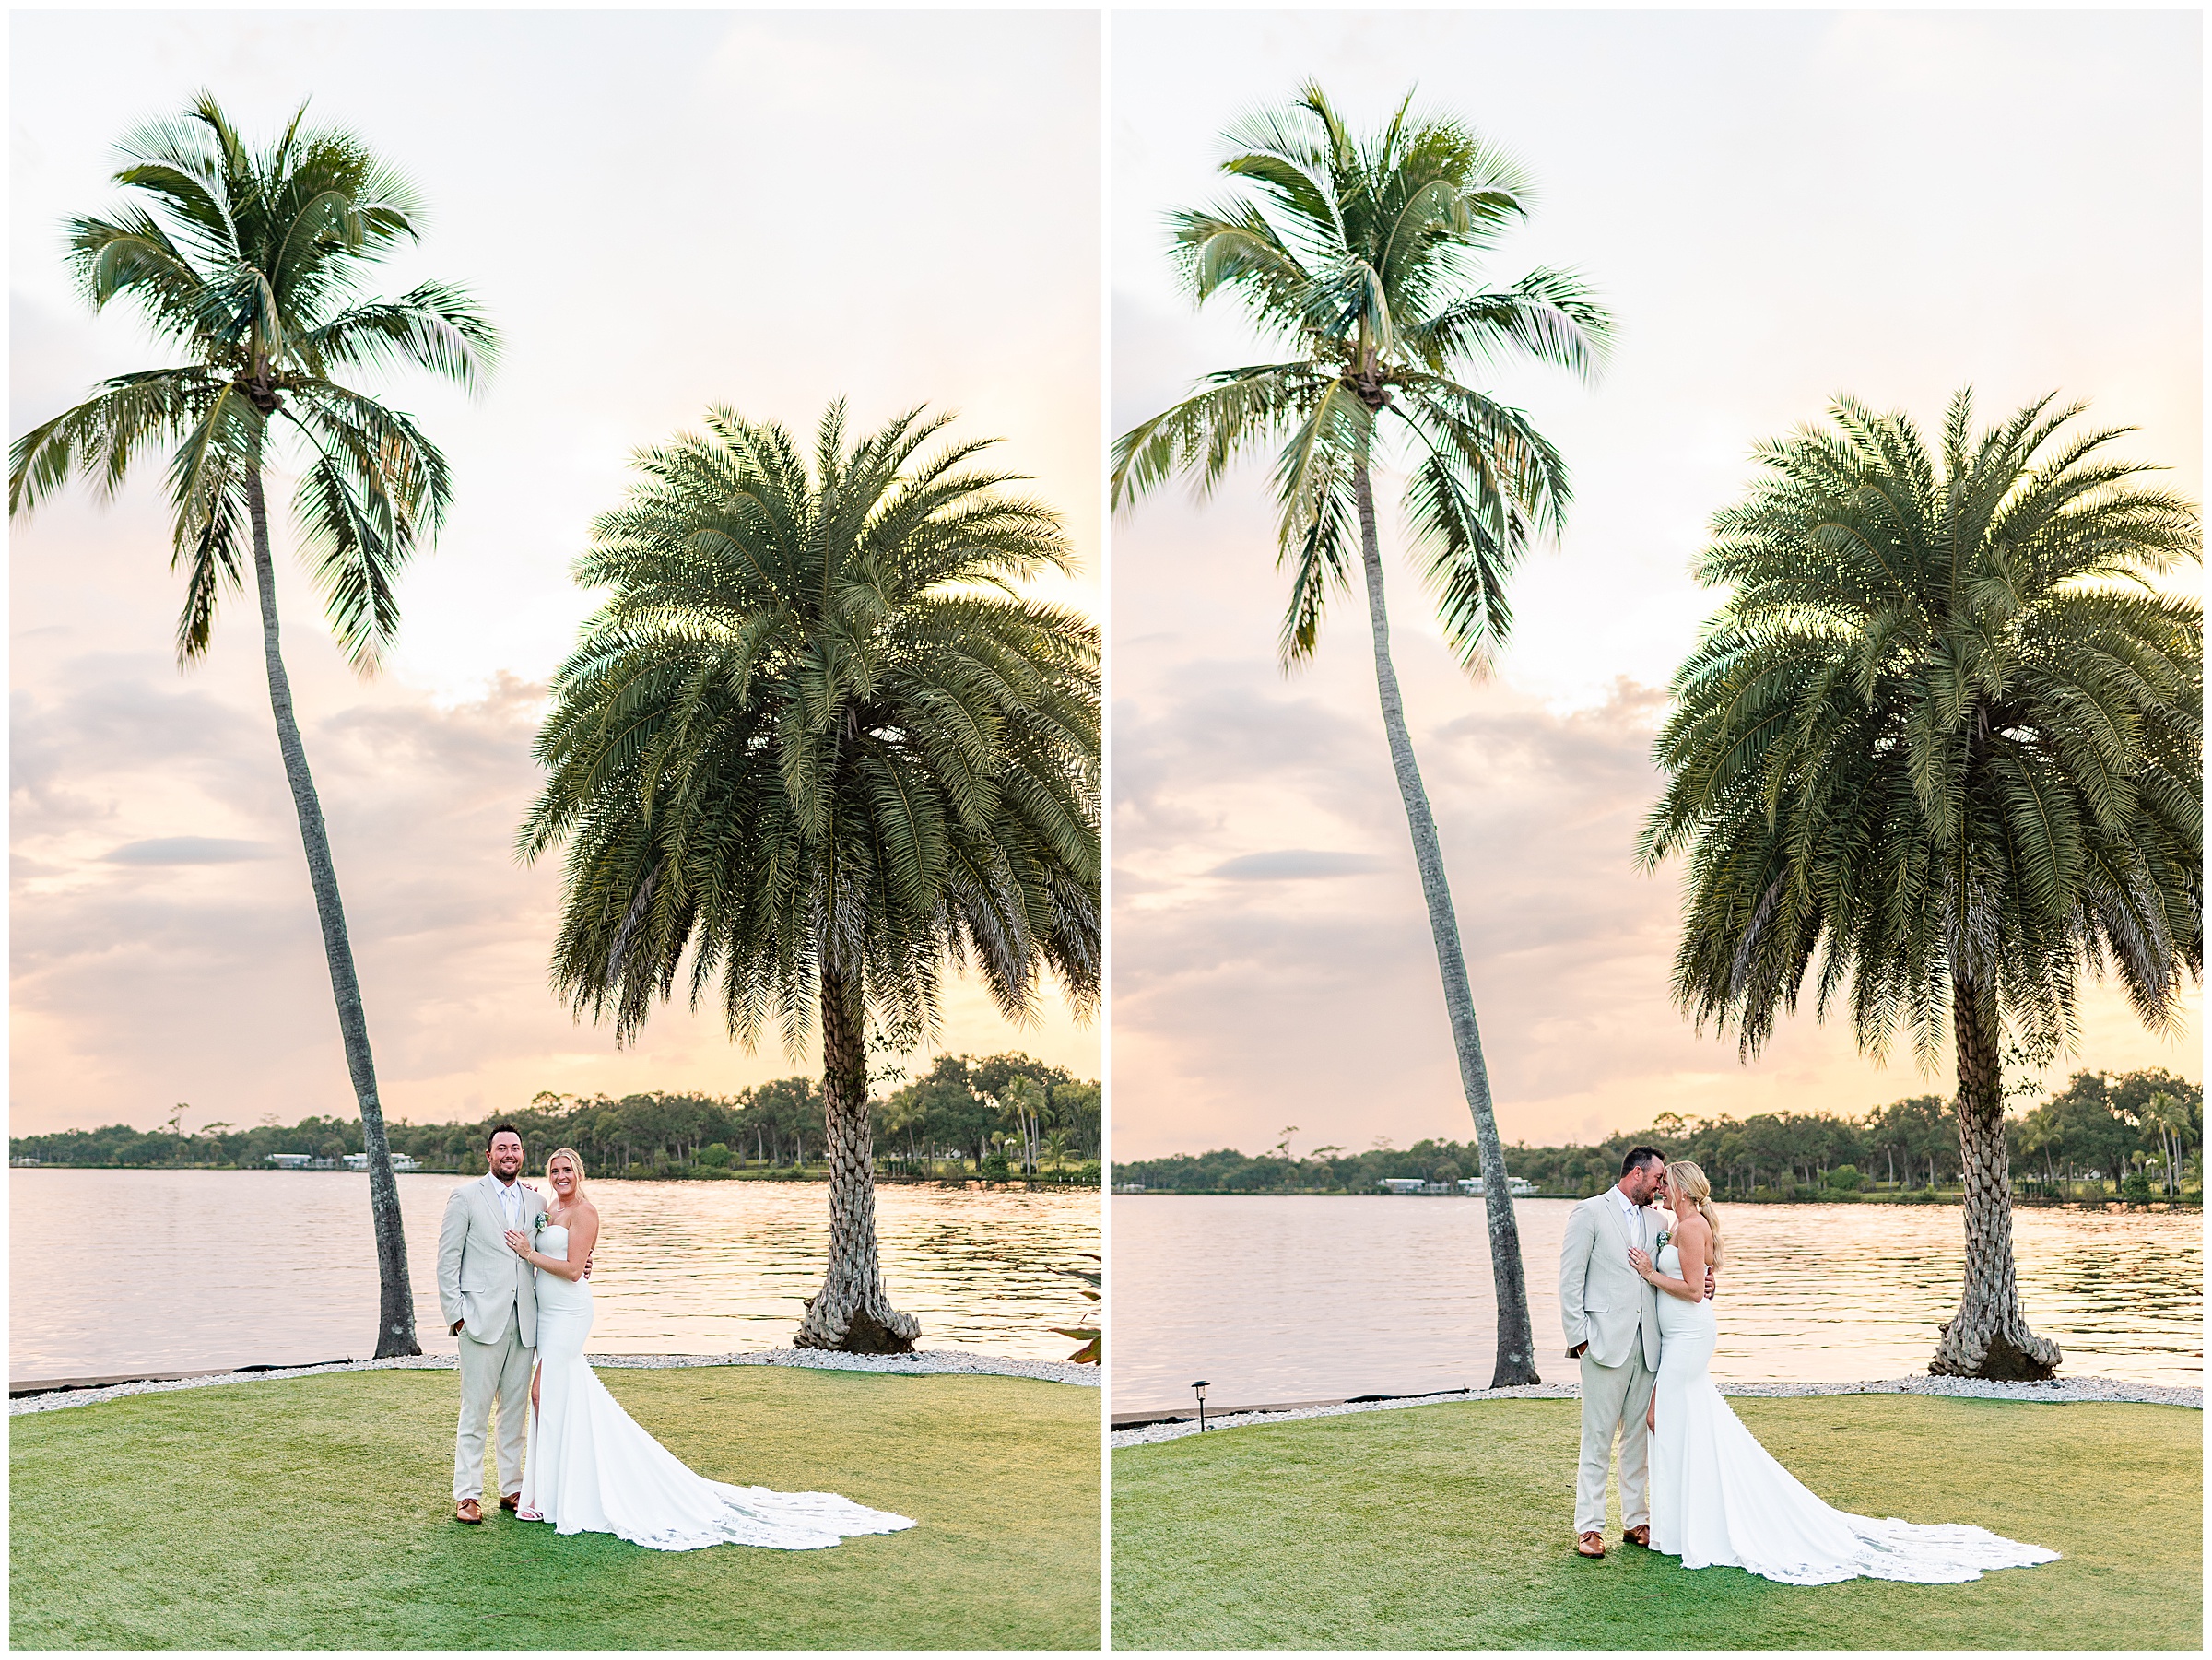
573	1157
1688	1187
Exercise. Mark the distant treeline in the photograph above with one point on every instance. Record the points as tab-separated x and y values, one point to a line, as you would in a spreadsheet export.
2098	1130
961	1112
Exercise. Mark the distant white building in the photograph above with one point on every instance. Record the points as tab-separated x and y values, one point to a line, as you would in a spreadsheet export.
1401	1184
290	1161
1518	1186
400	1161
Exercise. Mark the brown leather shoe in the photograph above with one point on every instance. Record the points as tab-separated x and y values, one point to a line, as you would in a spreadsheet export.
468	1511
1590	1545
510	1500
1637	1536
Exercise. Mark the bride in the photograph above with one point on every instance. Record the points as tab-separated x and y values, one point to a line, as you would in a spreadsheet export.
590	1469
1718	1497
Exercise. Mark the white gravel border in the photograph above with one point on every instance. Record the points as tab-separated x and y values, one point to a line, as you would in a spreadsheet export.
2057	1390
924	1362
935	1361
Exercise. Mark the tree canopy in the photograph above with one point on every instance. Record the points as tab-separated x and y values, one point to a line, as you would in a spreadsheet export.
944	1115
2098	1123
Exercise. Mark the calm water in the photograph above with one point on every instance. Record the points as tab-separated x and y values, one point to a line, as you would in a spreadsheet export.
1298	1298
116	1270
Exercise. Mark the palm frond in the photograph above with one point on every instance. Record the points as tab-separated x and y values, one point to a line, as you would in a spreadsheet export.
1205	434
1362	255
247	260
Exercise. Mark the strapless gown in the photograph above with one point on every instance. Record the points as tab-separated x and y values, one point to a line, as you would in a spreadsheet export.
1720	1500
590	1467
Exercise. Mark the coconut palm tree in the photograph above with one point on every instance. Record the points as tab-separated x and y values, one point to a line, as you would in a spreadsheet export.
248	263
1947	737
1020	1103
2168	1117
816	740
1359	258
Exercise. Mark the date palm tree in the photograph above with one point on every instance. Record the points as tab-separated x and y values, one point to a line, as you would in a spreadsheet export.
1361	258
816	739
1947	737
248	263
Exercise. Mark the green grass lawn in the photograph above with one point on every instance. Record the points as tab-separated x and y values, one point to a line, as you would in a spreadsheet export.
1451	1526
314	1513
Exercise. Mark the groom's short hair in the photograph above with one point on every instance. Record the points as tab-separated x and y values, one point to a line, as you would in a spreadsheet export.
1640	1155
497	1131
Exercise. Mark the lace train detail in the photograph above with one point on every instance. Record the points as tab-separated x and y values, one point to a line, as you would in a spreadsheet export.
1720	1500
592	1468
1743	1509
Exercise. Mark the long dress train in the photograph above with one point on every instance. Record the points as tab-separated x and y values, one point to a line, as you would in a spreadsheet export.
1720	1498
590	1467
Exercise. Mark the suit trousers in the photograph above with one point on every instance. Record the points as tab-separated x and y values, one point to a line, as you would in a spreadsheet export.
1614	1401
500	1369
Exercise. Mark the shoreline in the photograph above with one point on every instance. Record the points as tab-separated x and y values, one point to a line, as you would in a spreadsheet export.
1904	1200
929	1362
801	1178
2055	1391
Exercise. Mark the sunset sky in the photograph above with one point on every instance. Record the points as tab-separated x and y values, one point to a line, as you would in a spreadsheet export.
666	209
1778	208
661	210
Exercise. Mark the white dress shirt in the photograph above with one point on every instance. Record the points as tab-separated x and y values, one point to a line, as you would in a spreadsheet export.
1633	1215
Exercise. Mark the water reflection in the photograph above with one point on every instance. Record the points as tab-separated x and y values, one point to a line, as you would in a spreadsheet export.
1289	1298
122	1270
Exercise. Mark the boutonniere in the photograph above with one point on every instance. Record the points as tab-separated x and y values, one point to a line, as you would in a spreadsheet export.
1664	1234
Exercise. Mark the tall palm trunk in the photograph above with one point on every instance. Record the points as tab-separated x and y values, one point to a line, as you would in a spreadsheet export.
1988	1337
851	1312
395	1301
1516	1344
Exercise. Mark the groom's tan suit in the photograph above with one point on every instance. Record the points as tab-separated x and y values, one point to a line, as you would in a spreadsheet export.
493	1294
1606	1303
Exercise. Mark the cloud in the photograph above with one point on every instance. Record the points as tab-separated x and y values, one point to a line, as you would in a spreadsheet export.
137	982
1240	1006
188	850
1245	998
150	969
1294	864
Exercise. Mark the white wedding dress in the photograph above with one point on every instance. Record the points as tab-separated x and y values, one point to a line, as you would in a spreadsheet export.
590	1467
1720	1500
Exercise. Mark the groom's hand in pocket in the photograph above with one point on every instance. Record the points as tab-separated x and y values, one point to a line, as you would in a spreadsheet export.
455	1332
1576	1352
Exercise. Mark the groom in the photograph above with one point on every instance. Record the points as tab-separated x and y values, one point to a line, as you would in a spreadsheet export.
489	1299
1612	1319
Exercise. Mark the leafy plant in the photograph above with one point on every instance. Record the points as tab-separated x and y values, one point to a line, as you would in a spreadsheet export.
1359	258
248	262
1941	750
817	743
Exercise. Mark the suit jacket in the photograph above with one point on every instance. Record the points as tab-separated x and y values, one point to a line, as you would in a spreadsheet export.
481	1283
1603	1300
